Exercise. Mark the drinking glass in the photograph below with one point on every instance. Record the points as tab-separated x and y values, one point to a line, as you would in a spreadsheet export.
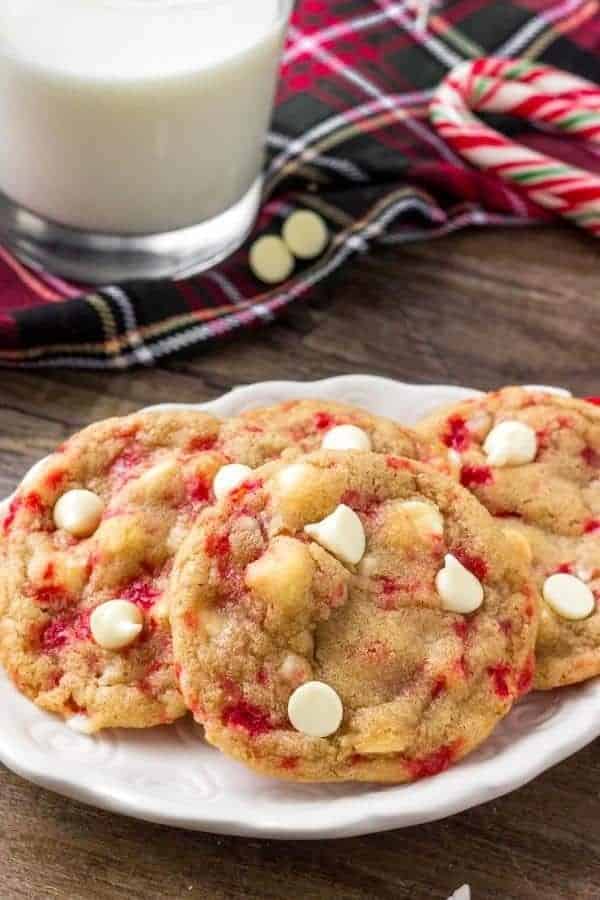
133	131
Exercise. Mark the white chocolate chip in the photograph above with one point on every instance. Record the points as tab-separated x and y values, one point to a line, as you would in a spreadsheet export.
511	443
346	437
426	517
229	477
460	591
295	669
306	234
81	724
282	578
270	260
293	477
461	893
341	533
569	597
116	624
78	512
315	709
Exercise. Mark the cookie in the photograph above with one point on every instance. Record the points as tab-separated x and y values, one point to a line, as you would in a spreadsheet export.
302	426
533	459
89	540
351	616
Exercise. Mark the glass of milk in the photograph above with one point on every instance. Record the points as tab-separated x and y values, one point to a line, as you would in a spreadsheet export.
133	131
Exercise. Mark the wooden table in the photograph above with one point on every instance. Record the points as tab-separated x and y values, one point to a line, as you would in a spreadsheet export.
476	309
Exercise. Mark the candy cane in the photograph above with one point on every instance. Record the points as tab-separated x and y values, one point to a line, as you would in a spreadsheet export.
538	93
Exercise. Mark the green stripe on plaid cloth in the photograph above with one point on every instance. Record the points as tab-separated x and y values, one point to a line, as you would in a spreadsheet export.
350	139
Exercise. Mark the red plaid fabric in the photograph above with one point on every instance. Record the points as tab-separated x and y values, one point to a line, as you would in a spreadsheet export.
350	139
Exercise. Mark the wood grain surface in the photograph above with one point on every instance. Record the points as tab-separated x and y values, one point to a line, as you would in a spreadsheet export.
480	309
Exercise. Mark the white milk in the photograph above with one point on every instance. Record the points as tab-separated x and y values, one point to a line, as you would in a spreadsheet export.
135	116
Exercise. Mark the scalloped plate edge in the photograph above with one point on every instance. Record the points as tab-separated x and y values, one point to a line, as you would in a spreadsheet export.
515	765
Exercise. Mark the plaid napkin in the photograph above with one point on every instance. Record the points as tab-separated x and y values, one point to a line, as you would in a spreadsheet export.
350	139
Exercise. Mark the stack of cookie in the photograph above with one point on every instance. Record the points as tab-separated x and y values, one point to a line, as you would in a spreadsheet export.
332	595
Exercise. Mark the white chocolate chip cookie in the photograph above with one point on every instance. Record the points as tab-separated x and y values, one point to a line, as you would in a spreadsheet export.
351	616
89	540
533	459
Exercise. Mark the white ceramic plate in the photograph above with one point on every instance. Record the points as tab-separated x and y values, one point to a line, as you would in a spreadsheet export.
170	775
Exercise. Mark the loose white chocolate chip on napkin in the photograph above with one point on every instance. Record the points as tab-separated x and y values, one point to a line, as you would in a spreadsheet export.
229	477
306	234
315	709
79	512
341	533
116	624
569	597
458	588
511	443
270	260
346	437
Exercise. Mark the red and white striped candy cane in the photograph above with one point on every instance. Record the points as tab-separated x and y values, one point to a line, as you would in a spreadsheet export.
537	93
